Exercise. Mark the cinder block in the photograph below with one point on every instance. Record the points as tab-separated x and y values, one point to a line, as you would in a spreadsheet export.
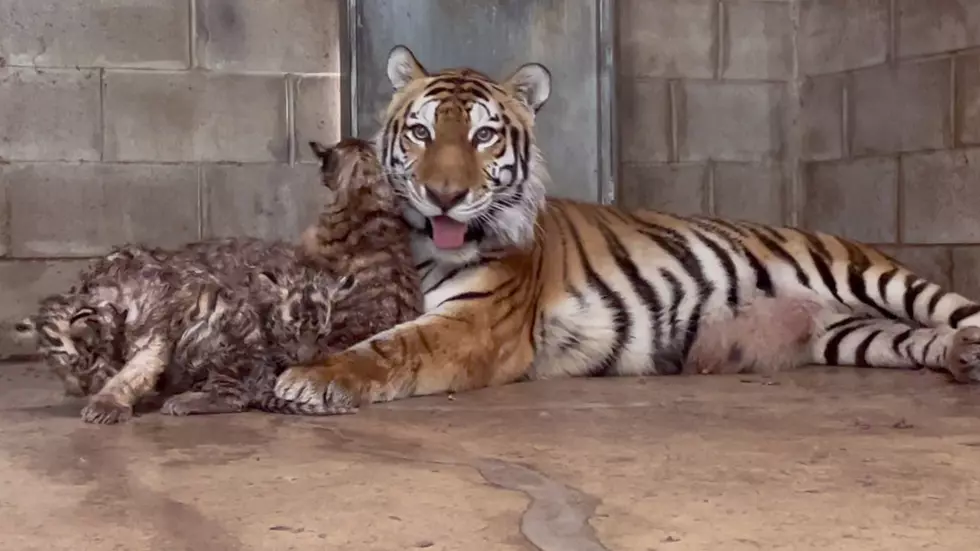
77	210
902	109
838	35
4	218
265	201
109	33
857	199
933	26
968	96
317	113
966	272
758	41
282	36
748	191
667	38
49	115
932	263
22	284
644	120
941	197
171	117
730	121
822	117
678	189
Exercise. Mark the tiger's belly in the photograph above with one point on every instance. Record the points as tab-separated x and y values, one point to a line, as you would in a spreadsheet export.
582	336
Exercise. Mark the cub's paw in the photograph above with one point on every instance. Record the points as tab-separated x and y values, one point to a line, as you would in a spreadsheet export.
191	403
963	359
319	387
105	410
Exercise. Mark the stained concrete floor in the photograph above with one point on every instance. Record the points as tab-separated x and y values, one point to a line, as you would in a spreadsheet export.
817	459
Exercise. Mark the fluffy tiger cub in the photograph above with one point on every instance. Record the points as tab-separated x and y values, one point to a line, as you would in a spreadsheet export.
360	230
145	320
519	287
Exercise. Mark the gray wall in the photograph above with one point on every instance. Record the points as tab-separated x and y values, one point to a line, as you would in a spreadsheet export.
891	119
705	96
858	117
155	120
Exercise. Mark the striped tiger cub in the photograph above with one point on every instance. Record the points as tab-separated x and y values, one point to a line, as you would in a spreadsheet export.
360	230
208	326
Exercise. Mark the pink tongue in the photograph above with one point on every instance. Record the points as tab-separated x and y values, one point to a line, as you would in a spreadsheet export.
447	233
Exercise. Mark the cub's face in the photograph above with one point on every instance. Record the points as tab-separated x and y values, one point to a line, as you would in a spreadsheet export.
81	343
460	148
299	320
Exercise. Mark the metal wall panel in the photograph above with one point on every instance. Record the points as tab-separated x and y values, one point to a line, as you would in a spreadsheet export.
570	37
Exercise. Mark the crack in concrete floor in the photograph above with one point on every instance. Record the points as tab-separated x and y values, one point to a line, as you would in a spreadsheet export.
557	519
557	516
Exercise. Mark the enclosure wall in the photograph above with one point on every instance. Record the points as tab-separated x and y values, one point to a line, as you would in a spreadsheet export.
161	121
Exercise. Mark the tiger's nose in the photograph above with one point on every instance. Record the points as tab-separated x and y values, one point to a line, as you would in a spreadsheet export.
445	199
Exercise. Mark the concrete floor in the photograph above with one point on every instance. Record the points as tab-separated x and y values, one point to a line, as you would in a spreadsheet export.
818	459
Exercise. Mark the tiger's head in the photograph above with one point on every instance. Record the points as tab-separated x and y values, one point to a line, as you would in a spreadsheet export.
460	148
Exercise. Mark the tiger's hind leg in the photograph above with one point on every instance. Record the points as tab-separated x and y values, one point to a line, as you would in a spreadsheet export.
765	335
867	341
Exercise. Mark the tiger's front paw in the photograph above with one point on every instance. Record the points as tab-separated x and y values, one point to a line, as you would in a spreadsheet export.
329	390
106	410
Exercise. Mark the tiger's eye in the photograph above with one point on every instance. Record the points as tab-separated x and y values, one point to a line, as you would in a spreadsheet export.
483	135
421	133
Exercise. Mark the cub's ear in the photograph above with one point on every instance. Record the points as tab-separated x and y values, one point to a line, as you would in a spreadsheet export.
268	281
343	286
84	324
531	83
403	67
328	158
321	151
26	326
263	277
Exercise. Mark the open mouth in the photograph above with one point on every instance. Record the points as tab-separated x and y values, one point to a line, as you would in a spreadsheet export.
449	234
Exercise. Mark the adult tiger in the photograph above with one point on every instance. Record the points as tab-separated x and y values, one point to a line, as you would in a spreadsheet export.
516	287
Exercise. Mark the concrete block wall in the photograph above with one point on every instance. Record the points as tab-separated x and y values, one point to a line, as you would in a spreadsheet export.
890	129
858	117
705	99
155	121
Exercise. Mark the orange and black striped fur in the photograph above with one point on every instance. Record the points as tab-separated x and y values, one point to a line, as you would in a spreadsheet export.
519	287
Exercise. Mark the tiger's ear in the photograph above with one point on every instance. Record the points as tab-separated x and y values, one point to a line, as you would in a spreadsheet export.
403	67
531	83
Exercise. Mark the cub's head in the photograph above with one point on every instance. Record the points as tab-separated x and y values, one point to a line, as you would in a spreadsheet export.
349	165
460	147
298	308
80	342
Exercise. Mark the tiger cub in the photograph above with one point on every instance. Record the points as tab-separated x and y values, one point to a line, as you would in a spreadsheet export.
179	328
81	344
360	230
